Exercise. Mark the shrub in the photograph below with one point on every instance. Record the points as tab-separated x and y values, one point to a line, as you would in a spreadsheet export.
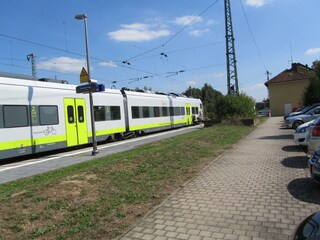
233	106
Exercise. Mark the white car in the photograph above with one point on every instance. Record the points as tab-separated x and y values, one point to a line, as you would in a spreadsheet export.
301	133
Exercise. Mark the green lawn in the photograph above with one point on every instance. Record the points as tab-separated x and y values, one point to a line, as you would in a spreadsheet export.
100	199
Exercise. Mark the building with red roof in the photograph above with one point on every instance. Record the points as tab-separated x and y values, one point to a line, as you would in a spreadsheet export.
287	88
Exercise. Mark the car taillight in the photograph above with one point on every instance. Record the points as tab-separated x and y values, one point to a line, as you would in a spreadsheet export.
316	131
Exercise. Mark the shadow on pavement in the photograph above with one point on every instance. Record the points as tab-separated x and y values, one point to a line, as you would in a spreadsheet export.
295	162
292	148
279	137
305	189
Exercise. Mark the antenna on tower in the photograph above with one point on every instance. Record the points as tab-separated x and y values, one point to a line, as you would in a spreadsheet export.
232	74
32	57
291	58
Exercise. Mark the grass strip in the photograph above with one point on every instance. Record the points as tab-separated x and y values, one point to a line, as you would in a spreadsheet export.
100	199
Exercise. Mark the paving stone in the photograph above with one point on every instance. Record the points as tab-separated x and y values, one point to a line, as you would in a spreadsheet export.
258	190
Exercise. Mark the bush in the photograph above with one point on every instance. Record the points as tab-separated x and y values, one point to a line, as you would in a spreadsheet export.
233	106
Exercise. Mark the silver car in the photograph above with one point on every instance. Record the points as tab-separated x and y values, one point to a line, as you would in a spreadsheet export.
295	121
301	133
313	137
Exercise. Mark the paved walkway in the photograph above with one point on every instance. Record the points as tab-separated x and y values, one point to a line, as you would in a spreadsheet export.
259	189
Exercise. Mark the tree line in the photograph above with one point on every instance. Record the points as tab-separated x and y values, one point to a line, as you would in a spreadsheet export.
219	106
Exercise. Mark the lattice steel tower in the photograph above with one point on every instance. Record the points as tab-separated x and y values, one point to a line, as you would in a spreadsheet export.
32	57
232	75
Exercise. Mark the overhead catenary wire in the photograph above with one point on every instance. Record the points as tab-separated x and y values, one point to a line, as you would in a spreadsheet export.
103	60
252	36
177	33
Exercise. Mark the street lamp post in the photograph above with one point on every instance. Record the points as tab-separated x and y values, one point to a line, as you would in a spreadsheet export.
94	139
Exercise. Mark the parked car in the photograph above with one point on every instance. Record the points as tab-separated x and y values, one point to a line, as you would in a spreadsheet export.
302	110
314	166
264	112
301	133
313	136
295	121
309	228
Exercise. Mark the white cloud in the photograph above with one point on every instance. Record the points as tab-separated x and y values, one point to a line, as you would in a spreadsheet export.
185	20
136	26
211	22
256	3
138	32
257	91
259	86
313	51
191	83
63	64
107	64
198	33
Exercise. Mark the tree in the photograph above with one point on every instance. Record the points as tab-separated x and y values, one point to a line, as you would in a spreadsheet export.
233	106
312	91
208	96
193	92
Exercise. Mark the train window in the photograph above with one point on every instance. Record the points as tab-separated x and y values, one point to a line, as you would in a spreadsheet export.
146	112
15	116
195	110
156	111
115	112
164	111
188	110
1	117
171	111
48	115
135	112
99	113
70	114
106	113
176	111
182	111
80	114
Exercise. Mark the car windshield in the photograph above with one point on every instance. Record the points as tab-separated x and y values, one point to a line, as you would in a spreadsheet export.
313	110
307	109
316	122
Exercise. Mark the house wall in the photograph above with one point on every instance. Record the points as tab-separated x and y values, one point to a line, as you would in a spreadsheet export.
287	92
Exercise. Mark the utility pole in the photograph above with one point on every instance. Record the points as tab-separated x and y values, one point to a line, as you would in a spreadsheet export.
232	75
268	75
32	57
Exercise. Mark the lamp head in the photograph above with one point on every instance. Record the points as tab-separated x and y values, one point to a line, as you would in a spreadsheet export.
80	16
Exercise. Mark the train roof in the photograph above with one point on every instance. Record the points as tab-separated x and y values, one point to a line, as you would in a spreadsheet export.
148	92
26	80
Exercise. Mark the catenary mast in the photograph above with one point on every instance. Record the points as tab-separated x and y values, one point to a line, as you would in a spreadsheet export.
232	75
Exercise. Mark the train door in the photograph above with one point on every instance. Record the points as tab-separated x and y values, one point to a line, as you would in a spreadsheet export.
188	114
76	123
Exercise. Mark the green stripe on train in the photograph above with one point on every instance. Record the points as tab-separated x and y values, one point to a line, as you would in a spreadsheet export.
156	125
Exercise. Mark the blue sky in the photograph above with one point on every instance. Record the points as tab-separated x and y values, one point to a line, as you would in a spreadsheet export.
166	45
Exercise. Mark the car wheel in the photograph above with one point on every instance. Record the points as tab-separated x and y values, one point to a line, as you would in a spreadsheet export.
296	124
